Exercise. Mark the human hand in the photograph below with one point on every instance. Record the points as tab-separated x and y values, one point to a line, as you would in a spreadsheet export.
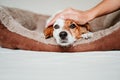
80	17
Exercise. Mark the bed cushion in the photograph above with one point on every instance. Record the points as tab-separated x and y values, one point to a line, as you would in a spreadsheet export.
21	29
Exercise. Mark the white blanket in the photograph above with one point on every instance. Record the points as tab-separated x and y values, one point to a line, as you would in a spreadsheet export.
30	65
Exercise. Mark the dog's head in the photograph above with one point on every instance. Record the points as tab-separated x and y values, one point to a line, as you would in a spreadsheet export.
66	32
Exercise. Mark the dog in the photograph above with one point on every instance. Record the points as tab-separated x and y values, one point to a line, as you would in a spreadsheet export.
66	32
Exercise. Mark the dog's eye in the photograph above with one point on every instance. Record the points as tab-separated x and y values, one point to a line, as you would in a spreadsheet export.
72	26
56	26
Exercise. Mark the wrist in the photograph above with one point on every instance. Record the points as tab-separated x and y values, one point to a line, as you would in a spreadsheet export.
90	14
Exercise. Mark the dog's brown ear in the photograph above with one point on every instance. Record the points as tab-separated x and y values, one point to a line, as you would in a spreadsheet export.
48	32
87	25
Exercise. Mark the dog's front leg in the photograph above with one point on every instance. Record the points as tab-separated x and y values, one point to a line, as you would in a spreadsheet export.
87	35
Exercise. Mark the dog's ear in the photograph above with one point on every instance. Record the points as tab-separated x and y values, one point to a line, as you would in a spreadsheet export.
87	25
48	32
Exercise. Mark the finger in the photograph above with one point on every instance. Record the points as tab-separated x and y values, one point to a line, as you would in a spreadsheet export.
52	21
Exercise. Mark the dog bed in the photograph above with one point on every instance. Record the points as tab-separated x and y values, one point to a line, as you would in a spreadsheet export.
21	29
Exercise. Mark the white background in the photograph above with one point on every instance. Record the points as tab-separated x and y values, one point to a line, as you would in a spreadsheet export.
49	6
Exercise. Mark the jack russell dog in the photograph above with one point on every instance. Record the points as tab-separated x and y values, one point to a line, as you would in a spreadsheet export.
66	32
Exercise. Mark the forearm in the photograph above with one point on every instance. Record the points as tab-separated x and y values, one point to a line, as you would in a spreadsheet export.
105	7
82	17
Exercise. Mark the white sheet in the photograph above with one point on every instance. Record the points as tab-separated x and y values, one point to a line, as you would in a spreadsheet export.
31	65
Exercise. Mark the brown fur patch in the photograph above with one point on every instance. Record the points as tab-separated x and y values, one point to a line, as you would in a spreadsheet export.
78	30
48	32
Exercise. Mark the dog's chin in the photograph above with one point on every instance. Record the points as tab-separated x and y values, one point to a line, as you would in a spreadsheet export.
64	43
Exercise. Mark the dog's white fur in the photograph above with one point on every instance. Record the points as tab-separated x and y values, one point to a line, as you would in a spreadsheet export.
69	39
87	35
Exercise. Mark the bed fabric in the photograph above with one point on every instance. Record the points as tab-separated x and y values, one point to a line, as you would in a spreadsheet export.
21	29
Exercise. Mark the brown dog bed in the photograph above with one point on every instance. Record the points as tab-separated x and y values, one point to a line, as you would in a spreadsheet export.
20	29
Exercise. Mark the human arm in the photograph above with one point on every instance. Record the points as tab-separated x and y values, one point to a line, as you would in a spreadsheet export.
82	17
104	7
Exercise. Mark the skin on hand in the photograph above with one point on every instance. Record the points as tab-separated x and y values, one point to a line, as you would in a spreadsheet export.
82	17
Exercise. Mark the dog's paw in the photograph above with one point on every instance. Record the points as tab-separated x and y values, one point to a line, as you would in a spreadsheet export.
87	35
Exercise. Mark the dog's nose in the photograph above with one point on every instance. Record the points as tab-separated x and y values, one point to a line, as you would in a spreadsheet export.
63	35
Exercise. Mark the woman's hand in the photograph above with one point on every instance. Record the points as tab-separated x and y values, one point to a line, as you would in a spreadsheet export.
81	17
